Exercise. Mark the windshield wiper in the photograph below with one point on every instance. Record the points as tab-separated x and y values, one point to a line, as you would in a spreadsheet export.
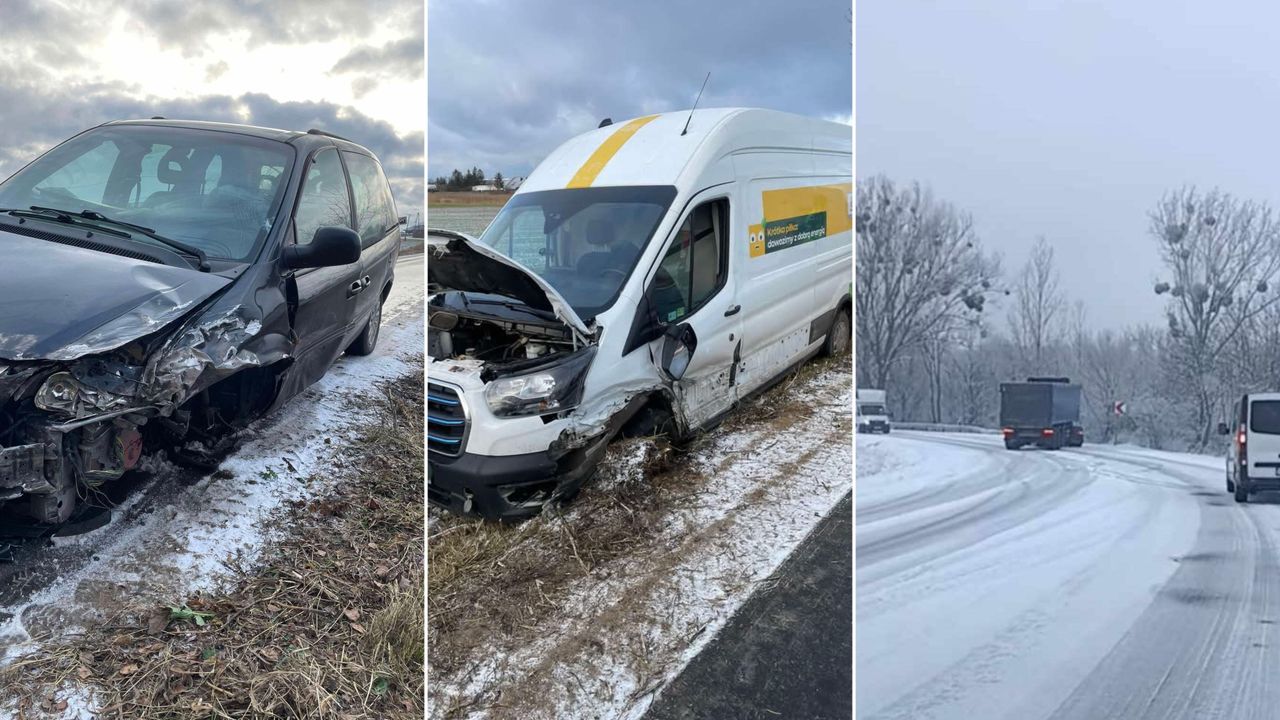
94	216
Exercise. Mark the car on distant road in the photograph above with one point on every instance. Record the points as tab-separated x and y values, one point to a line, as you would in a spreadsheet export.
166	281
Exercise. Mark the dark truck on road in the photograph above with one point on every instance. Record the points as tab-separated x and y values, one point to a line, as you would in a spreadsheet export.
1041	411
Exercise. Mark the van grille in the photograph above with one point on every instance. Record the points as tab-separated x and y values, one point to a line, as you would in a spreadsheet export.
446	420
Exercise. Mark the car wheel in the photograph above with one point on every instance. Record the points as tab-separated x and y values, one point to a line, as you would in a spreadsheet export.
839	336
1241	493
368	338
1231	487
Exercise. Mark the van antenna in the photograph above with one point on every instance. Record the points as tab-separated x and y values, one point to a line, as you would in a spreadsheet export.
695	104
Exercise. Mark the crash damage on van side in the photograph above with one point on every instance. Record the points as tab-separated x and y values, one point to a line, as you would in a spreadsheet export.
136	351
496	325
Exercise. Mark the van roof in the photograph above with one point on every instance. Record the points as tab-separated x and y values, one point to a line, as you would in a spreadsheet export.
1264	396
650	150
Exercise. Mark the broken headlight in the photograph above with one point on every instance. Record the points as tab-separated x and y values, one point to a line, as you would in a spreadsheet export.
548	390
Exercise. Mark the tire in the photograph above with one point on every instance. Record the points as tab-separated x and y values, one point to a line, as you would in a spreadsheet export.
368	338
839	337
1012	445
1241	493
1231	486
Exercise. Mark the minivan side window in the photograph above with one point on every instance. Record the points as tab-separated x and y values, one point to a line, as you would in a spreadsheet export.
696	263
324	200
375	214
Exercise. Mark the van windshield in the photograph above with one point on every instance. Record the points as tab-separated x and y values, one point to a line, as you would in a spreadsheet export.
1264	417
584	242
870	409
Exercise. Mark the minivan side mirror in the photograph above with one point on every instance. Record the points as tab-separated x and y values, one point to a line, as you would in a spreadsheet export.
332	245
1223	429
678	344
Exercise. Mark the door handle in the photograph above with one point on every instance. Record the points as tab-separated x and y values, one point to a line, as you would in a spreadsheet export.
367	282
355	288
733	310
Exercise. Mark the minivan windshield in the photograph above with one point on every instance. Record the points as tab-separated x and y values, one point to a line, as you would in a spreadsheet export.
584	242
213	190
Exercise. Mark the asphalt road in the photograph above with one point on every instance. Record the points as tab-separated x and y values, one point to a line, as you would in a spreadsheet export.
787	652
1103	582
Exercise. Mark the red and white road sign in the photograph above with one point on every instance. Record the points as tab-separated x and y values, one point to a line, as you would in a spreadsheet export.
1117	407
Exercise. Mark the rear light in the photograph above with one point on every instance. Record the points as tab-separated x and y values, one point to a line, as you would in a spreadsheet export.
1241	448
1007	432
1047	432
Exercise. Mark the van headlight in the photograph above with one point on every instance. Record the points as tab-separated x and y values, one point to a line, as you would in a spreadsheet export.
549	389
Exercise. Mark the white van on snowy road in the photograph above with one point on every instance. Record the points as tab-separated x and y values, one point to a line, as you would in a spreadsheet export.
644	279
1253	462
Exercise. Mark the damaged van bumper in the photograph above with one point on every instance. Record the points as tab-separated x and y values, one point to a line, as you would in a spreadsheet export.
509	487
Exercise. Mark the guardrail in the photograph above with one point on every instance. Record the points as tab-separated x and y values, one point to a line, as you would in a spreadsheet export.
943	427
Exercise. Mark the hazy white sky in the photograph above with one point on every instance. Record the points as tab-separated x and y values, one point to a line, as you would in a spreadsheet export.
1070	120
353	68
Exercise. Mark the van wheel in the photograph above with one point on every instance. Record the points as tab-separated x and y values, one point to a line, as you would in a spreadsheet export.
838	337
1241	493
1231	487
368	338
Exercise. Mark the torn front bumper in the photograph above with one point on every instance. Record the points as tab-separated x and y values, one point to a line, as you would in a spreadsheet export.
23	470
508	487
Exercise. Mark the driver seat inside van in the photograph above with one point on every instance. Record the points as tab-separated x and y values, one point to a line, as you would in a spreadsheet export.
611	256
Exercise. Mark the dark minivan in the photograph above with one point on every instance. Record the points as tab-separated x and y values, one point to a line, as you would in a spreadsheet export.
164	282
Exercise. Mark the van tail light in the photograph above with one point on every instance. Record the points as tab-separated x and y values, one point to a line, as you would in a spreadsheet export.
1047	432
1007	432
1241	448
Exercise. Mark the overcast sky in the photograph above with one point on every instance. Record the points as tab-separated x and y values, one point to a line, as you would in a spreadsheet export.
509	81
353	68
1070	119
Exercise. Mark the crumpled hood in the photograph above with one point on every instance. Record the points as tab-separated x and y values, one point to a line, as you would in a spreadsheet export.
59	302
459	262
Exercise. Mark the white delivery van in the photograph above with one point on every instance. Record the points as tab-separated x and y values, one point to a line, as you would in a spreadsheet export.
644	279
1253	462
872	415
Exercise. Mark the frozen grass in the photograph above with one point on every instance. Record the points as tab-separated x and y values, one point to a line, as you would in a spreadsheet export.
326	624
588	610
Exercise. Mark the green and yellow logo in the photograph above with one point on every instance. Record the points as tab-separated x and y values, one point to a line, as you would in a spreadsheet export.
795	216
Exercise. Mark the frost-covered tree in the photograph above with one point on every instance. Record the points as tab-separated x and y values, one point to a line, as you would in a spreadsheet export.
1222	255
920	269
1036	308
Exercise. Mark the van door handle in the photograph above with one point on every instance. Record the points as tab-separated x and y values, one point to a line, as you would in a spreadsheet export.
355	288
366	282
733	310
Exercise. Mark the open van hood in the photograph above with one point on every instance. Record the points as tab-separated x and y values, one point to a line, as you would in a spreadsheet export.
459	262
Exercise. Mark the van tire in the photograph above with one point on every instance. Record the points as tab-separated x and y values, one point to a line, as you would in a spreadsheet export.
1231	486
1241	493
368	338
839	336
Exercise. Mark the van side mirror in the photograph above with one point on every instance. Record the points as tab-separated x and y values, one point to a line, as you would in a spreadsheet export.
1223	429
678	344
331	246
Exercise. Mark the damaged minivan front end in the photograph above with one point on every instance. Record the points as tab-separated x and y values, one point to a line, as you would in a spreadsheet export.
78	391
508	361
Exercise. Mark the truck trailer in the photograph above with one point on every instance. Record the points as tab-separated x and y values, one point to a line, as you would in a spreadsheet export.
1043	411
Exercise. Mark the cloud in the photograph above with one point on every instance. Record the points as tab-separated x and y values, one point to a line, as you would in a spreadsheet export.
550	70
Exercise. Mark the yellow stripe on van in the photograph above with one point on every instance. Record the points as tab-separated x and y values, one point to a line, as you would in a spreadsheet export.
590	169
794	202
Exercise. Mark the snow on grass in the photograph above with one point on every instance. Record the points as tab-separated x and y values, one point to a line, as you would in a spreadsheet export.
167	542
755	492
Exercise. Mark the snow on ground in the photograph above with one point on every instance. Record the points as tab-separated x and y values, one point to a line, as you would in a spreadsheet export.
641	622
991	582
168	540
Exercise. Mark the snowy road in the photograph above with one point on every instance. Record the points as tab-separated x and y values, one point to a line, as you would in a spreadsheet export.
1102	582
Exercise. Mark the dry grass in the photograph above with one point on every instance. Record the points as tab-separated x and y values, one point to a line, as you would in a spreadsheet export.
328	627
494	585
467	199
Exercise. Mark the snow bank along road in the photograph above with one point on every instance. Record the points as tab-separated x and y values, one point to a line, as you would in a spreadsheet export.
1101	582
174	531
